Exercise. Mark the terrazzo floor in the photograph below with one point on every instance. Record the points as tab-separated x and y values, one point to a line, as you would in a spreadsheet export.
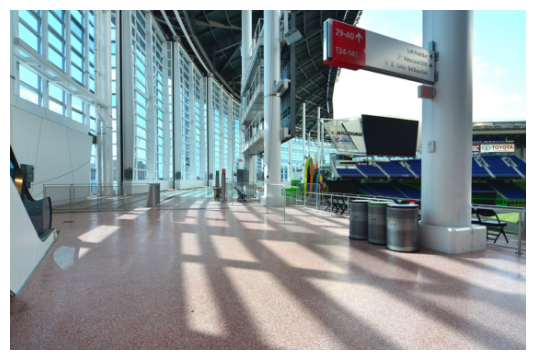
239	278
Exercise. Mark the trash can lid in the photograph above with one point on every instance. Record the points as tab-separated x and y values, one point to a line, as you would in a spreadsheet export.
406	206
378	203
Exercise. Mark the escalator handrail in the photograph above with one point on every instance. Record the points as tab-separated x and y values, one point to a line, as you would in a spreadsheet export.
23	190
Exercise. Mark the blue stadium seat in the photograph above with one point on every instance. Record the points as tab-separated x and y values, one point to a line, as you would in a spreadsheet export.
371	171
479	171
411	192
499	168
394	169
510	191
415	166
520	164
385	189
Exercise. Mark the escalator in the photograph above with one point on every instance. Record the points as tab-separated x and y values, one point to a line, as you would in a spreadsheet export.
39	211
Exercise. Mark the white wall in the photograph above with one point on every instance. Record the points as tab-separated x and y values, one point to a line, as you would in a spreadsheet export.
59	148
26	249
189	184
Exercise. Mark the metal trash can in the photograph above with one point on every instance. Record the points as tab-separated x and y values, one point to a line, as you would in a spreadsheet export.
377	229
359	219
403	227
153	197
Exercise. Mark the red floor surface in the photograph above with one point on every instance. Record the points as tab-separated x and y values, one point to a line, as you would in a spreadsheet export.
240	279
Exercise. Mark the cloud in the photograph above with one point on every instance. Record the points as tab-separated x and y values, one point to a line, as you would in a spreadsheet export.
416	39
490	101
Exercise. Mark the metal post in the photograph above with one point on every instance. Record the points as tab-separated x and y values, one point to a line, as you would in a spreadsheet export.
303	140
519	233
71	196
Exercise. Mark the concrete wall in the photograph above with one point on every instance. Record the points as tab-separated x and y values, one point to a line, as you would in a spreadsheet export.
25	248
59	148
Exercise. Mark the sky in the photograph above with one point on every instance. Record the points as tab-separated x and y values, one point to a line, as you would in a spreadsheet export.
499	69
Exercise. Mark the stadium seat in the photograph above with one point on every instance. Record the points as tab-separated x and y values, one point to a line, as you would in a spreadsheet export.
498	167
395	169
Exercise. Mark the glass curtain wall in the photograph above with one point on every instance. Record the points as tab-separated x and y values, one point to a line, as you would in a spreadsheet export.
226	164
236	134
139	59
216	102
115	91
185	80
199	123
169	47
66	38
158	80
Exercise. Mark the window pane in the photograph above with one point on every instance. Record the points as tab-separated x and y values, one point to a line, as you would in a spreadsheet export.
29	77
140	132
77	74
28	94
140	76
141	99
30	19
29	37
140	153
56	58
77	29
55	41
77	116
141	121
140	86
140	64
140	110
141	143
77	59
54	106
76	103
76	44
55	92
60	13
55	24
77	15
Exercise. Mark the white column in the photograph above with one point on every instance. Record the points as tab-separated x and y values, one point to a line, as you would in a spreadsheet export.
447	121
127	104
304	136
272	103
106	57
210	131
322	143
318	137
246	42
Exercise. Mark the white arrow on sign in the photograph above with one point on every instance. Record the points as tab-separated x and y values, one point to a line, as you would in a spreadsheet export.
359	37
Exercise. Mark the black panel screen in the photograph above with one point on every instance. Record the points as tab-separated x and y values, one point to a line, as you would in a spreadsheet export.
385	136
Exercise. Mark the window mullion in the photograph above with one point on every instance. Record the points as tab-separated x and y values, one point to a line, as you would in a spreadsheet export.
86	49
44	35
68	47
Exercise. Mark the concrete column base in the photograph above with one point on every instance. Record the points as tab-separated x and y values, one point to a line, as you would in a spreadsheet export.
275	201
453	240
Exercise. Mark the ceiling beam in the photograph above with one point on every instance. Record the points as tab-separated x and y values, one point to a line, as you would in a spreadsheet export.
215	24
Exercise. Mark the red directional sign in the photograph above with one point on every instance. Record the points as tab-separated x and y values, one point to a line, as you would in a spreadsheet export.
345	46
349	47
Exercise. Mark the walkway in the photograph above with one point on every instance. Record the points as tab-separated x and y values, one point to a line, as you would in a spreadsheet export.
238	278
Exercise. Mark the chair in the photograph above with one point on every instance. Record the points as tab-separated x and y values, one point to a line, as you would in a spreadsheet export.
476	221
492	224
